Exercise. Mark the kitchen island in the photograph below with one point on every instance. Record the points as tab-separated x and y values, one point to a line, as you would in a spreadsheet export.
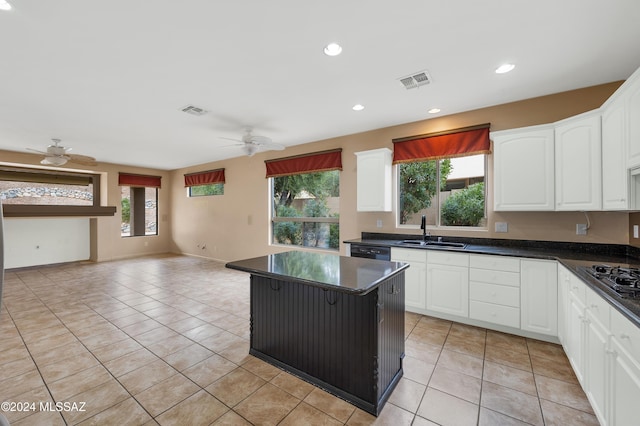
334	321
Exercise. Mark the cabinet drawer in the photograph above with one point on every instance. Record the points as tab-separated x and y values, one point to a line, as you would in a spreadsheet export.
599	308
498	263
626	334
448	258
495	277
496	294
497	314
409	255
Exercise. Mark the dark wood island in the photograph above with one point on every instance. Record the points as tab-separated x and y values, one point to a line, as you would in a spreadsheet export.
334	321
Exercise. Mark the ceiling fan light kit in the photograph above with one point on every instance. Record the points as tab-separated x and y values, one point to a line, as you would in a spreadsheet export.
57	155
251	143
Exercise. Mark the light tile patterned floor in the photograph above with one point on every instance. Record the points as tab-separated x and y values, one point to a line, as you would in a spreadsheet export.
164	340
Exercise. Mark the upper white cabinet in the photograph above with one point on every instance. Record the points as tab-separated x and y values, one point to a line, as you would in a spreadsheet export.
615	179
631	90
374	180
524	169
578	163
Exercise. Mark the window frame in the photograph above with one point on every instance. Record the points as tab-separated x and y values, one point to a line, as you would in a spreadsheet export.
438	224
132	190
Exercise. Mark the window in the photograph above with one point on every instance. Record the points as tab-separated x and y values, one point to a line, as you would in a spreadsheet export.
206	190
210	182
139	205
449	192
442	176
305	201
39	187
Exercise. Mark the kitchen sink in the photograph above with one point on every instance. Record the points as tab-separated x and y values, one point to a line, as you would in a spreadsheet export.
433	243
445	244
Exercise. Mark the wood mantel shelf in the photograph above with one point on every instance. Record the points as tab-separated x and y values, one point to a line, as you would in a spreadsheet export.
30	210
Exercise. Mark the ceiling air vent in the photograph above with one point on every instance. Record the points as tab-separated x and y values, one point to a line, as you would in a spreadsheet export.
194	110
415	80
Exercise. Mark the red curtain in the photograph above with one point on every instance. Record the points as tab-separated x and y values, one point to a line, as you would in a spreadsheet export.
126	179
307	163
455	143
204	178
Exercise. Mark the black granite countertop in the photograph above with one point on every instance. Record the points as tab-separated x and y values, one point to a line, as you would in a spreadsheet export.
574	256
330	271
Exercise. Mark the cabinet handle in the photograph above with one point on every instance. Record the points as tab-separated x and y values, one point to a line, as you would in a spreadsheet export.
593	306
611	352
493	294
624	336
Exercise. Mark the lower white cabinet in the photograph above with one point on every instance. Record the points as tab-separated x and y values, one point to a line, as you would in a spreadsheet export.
539	291
494	289
597	325
625	371
574	341
448	283
415	277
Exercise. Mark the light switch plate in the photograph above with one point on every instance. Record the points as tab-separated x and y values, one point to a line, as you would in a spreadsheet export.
502	227
581	229
635	231
379	223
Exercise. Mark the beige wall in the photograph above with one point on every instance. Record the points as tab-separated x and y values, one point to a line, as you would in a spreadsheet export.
236	224
106	242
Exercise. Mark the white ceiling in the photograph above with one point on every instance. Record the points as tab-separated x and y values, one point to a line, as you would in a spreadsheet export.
109	77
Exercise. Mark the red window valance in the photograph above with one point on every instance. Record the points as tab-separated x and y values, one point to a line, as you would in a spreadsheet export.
127	179
453	143
204	178
306	163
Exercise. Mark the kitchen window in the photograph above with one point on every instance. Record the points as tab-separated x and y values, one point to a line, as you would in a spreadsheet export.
139	205
442	176
305	200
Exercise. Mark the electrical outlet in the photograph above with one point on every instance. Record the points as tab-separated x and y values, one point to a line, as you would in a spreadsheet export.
379	223
502	227
581	229
635	231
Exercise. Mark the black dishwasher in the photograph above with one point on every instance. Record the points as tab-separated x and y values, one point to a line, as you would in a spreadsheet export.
371	252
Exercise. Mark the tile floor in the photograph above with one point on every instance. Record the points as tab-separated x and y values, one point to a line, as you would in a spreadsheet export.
164	340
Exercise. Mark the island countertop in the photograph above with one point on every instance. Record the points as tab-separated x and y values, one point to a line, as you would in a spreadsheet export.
329	271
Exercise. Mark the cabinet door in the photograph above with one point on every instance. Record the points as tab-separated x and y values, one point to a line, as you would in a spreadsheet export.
415	286
615	179
415	277
374	180
625	387
448	289
633	118
596	366
563	302
539	296
574	346
523	167
579	163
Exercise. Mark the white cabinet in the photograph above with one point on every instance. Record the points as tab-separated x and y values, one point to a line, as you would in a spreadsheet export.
631	90
539	290
523	165
625	371
574	341
578	163
374	180
494	289
615	179
596	365
448	283
564	280
415	278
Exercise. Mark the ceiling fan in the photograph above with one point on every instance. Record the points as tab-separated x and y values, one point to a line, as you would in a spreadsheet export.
251	143
58	155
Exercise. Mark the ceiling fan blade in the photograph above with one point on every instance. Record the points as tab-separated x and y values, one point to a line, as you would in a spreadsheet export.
85	160
37	150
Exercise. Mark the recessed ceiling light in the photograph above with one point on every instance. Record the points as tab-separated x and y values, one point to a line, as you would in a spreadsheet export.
358	107
434	110
331	49
504	68
5	5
